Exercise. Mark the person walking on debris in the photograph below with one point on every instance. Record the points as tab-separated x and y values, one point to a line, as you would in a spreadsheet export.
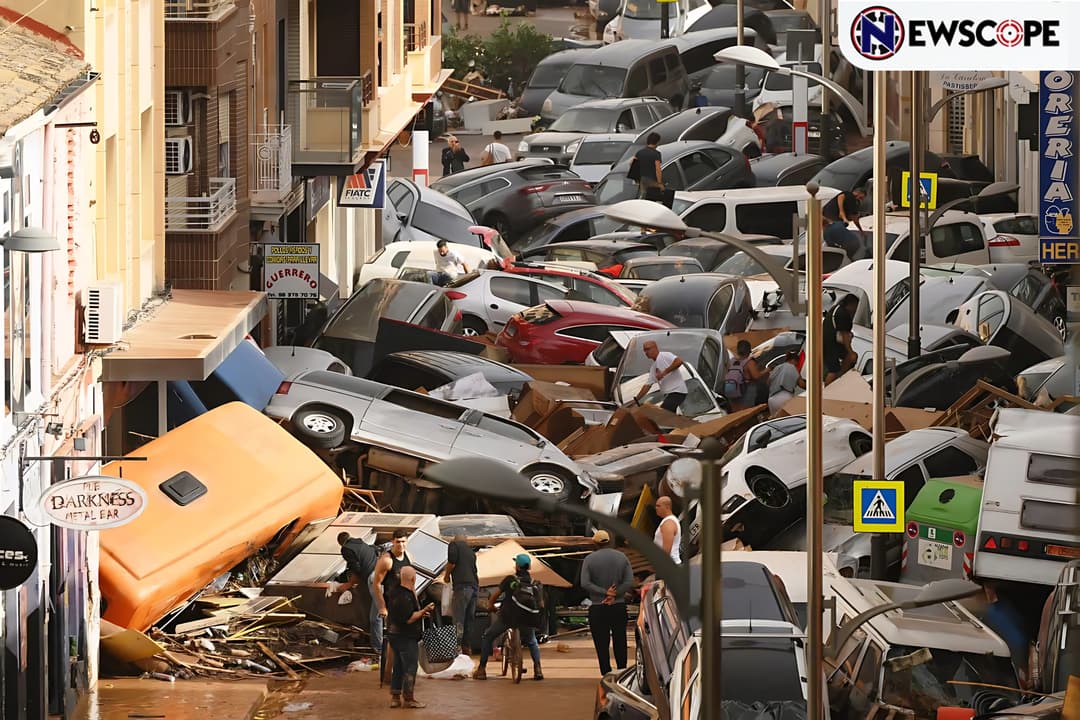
838	212
360	561
387	575
461	568
665	372
783	381
521	608
404	632
837	355
645	168
606	576
668	533
448	264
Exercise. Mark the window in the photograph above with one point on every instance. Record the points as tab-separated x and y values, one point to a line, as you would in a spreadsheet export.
657	70
468	194
1049	516
643	116
637	84
710	216
506	429
566	254
723	157
709	362
991	315
849	654
546	292
401	197
601	152
719	306
696	167
592	333
956	239
869	669
435	315
405	375
830	261
625	123
422	404
1019	225
225	102
515	290
1028	290
1053	470
800	176
672	177
949	462
672	62
773	218
913	480
595	292
399	259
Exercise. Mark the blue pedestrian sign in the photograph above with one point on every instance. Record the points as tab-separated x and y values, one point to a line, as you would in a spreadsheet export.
879	506
929	183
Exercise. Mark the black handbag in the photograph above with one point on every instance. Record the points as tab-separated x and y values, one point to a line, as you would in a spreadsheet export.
439	641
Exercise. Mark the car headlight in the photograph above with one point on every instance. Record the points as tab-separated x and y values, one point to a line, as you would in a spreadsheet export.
523	146
546	107
573	146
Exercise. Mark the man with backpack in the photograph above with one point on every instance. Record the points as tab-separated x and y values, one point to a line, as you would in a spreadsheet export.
522	608
360	560
745	383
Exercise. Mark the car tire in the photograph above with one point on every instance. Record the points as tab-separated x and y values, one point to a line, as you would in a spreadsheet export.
472	326
640	676
769	490
500	224
860	444
319	427
551	482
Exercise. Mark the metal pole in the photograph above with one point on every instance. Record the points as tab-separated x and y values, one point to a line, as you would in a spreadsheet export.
712	537
665	20
740	69
881	192
825	21
918	135
815	489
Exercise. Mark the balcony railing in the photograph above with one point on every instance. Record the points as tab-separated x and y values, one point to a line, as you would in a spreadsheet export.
198	10
273	163
416	36
325	115
209	213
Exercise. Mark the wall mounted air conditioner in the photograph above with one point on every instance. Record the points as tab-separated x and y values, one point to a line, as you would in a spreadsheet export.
103	313
178	156
177	107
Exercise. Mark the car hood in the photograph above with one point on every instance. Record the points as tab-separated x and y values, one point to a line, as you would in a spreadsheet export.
553	138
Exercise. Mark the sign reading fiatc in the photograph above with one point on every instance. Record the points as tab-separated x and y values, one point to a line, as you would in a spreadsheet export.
291	271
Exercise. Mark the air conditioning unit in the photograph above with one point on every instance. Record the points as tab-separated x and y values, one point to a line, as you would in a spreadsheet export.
177	107
103	313
178	156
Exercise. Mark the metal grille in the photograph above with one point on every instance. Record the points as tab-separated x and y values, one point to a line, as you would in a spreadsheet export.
957	120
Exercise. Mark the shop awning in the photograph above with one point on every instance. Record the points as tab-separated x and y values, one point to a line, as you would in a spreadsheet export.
186	338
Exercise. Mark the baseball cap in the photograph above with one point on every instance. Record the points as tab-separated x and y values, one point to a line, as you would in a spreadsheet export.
523	560
601	537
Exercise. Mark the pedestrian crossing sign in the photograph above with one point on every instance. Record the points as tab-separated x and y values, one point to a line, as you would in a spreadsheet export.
879	506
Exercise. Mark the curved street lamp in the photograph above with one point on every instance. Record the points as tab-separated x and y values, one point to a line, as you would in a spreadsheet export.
647	213
984	85
755	57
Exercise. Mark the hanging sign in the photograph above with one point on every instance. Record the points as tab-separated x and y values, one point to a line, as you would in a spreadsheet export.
365	189
93	502
1059	141
18	553
291	271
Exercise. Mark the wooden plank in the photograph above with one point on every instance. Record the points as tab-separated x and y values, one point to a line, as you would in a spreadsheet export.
293	675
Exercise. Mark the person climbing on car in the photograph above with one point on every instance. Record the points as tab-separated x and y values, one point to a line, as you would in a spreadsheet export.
664	372
522	608
845	208
360	561
837	355
745	383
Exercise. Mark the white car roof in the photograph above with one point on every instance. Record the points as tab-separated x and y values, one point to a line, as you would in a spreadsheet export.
900	223
902	450
860	274
469	253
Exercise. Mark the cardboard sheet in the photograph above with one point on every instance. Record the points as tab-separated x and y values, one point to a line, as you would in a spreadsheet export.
498	562
127	645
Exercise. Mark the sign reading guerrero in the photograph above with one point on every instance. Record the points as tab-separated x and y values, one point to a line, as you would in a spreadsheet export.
18	553
291	271
93	502
959	34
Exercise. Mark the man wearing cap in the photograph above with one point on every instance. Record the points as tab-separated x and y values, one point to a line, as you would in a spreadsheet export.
507	617
606	575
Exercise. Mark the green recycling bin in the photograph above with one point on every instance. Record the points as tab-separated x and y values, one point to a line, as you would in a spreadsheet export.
941	528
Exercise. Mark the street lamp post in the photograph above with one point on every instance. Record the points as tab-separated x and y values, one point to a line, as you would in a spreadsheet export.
921	119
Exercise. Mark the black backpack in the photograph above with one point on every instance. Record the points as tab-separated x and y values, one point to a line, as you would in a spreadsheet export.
524	604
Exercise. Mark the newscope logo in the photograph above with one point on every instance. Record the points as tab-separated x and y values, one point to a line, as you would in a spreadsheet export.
878	33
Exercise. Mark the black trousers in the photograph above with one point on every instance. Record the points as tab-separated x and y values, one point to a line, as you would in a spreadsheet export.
607	623
672	401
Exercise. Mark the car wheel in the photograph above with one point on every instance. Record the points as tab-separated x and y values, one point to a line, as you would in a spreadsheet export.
472	326
1062	327
551	482
860	444
768	490
319	427
640	677
500	224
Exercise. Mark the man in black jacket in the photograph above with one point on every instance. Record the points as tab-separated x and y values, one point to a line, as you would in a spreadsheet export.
404	630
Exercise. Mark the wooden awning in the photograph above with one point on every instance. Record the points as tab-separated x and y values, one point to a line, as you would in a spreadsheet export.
186	338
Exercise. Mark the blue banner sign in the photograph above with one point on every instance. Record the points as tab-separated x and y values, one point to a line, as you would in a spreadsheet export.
1059	142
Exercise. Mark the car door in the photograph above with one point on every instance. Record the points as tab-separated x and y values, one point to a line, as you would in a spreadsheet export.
397	210
698	170
489	436
506	296
643	117
958	242
412	423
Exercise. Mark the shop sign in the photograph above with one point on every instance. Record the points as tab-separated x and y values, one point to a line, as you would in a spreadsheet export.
18	553
93	502
365	189
1059	141
291	271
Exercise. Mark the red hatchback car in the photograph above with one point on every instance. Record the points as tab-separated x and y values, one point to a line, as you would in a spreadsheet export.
563	332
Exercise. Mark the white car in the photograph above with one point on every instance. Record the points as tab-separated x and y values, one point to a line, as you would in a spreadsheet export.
962	237
487	298
1014	236
597	153
763	477
417	255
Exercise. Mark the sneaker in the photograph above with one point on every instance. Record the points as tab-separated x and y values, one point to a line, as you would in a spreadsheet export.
414	704
395	701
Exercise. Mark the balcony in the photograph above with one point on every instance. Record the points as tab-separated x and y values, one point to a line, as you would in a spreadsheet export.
416	36
273	164
198	10
207	214
326	118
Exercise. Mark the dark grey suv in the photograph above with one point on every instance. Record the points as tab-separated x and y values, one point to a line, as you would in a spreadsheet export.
612	115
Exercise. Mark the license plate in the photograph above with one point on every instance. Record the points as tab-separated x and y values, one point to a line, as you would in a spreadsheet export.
813	133
935	554
569	198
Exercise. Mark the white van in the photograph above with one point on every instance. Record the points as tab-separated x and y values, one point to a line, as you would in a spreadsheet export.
746	211
1029	526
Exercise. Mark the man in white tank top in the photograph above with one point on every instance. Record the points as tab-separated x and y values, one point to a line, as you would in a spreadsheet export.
668	532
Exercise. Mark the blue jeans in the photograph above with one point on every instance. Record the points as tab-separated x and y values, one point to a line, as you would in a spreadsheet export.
498	627
464	611
406	659
375	621
837	234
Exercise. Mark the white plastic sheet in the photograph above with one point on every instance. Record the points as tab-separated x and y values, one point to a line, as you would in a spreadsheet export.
462	666
466	388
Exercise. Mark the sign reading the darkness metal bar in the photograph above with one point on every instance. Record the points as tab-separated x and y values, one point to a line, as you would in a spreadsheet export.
1059	142
959	34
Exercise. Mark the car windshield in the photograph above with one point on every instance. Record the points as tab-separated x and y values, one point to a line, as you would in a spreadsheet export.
740	264
698	399
928	686
583	120
442	224
547	76
614	188
643	9
779	82
359	318
599	152
593	81
840	498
